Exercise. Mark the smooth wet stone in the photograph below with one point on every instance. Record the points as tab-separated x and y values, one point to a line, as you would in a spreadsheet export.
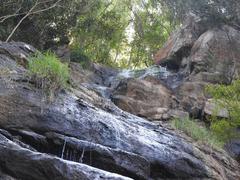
115	136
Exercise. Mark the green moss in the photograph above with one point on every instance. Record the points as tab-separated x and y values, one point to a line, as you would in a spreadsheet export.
48	73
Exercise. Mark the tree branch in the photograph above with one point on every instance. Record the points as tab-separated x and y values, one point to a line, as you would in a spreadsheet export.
3	18
30	12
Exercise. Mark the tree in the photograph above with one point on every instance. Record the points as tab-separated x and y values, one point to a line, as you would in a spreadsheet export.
98	29
114	32
42	30
30	12
215	11
100	33
152	25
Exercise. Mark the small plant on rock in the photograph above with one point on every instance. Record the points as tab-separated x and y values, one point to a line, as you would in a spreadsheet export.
226	97
198	132
48	73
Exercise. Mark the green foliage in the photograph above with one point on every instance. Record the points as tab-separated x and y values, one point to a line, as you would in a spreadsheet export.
214	11
77	55
152	26
223	129
197	132
124	33
44	29
48	73
227	97
120	33
101	31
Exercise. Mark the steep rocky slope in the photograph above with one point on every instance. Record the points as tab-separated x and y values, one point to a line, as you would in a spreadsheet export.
203	53
197	54
82	135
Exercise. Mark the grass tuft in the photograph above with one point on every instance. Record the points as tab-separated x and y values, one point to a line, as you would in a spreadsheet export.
198	132
48	73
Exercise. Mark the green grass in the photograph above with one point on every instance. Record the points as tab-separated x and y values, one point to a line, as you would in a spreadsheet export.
48	73
198	132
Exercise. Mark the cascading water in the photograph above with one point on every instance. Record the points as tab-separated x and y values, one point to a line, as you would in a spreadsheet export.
100	89
170	79
156	71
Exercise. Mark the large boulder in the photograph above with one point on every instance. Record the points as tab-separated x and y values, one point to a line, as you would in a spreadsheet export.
180	42
206	53
215	56
191	97
211	109
147	98
73	139
203	54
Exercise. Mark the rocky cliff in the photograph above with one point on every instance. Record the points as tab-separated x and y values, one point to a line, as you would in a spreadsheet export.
83	135
197	54
202	54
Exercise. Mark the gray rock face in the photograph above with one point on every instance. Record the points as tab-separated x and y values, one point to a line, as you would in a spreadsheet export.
73	139
25	164
71	118
17	51
233	147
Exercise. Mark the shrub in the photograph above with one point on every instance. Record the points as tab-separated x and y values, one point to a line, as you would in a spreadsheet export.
77	55
197	132
227	97
48	73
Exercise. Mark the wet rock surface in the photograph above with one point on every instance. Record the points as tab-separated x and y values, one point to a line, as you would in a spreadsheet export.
23	163
84	136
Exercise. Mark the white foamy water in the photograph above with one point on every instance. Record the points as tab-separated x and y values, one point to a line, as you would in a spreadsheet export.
150	71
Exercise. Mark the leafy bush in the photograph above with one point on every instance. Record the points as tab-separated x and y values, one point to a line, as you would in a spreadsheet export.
197	132
77	55
227	97
48	73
